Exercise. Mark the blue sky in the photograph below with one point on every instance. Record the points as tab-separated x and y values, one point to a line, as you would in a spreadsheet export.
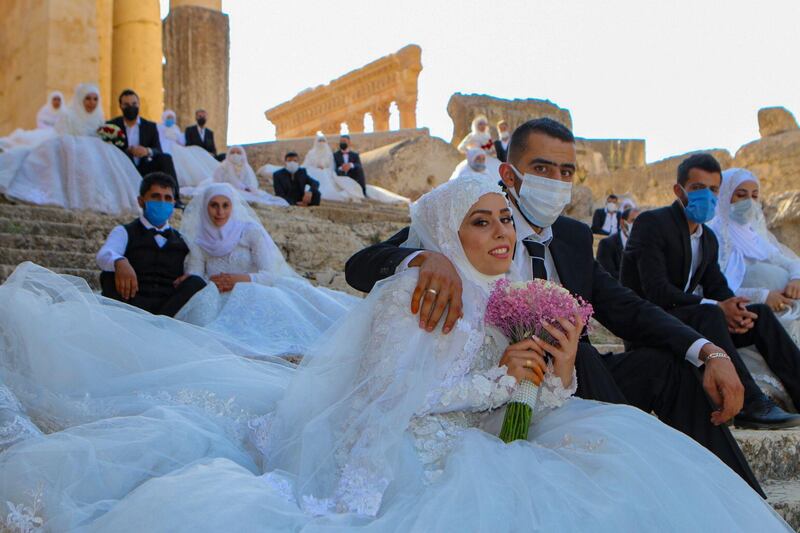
684	75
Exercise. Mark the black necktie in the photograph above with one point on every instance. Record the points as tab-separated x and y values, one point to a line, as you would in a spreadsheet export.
536	251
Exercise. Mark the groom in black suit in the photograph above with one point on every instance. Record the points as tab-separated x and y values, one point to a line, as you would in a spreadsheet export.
348	163
198	135
142	143
654	378
671	259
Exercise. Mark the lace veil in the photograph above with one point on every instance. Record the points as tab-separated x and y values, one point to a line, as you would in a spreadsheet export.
339	432
195	225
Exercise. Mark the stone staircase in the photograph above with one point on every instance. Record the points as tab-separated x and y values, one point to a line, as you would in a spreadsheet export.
317	241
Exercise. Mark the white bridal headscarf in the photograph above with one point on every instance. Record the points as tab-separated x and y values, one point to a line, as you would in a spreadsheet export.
737	241
241	176
320	155
340	431
75	120
48	115
173	132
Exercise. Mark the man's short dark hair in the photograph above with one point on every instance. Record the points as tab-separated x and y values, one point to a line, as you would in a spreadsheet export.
702	161
344	136
161	179
548	126
290	154
201	110
127	92
612	197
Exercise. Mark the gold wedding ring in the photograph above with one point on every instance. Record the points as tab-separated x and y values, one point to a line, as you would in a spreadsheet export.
529	363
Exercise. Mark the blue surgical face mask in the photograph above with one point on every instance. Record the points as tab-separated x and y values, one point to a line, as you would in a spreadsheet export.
169	122
702	205
744	211
157	213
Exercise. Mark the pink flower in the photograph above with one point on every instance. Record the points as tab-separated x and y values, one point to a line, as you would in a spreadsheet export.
520	309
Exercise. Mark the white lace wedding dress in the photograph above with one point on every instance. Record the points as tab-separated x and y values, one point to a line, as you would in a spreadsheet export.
146	422
277	313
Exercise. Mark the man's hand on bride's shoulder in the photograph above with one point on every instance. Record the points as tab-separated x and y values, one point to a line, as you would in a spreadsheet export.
438	291
525	360
565	350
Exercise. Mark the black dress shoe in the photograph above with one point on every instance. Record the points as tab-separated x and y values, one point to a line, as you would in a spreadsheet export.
765	414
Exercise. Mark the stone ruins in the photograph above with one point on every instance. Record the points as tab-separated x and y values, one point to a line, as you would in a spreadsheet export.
370	89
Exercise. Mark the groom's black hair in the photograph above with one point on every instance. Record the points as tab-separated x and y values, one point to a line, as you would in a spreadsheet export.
548	126
158	178
703	161
290	154
126	92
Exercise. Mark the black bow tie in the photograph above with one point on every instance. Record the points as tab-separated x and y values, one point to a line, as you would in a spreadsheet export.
154	232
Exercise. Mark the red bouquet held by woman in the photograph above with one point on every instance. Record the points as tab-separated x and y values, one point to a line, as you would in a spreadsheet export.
519	310
111	133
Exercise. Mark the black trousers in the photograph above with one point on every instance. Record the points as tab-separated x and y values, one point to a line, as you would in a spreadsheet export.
159	163
768	335
162	305
315	197
657	381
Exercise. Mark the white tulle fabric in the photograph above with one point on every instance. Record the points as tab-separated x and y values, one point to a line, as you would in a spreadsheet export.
278	312
319	165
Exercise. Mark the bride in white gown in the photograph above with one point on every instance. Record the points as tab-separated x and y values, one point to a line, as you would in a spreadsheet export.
319	165
392	430
253	295
193	164
46	119
73	169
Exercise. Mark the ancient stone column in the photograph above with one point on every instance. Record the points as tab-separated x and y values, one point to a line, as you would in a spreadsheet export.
408	113
197	50
380	118
215	5
136	54
105	32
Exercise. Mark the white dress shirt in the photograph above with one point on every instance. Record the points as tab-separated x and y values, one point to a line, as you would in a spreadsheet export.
117	242
202	133
132	133
611	222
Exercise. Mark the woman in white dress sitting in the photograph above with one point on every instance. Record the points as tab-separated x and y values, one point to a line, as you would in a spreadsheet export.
236	171
478	137
46	119
476	165
756	265
253	296
320	166
389	428
193	165
74	169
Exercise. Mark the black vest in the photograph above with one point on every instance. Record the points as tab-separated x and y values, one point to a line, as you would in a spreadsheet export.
156	268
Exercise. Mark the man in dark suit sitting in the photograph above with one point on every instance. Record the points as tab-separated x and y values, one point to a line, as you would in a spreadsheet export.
671	259
609	250
199	135
501	145
656	377
142	143
294	185
605	220
348	163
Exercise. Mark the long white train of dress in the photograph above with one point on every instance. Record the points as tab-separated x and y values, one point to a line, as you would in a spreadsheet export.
145	419
70	171
277	313
193	165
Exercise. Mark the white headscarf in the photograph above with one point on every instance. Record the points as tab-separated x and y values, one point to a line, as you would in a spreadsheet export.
344	416
48	115
241	176
476	138
75	120
737	241
173	133
320	155
472	153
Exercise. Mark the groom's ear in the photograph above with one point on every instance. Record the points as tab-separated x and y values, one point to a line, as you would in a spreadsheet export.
507	175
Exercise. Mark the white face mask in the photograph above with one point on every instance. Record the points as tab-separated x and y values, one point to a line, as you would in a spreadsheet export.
478	167
505	135
611	207
541	200
744	211
292	166
236	159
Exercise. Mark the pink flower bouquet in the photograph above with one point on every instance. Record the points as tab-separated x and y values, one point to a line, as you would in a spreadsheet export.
519	310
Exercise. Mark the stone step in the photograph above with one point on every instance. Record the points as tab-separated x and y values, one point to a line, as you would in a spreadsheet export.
92	277
784	497
57	214
773	455
89	231
48	258
48	243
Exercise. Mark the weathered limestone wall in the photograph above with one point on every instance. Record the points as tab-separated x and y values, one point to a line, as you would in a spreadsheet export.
197	50
216	5
45	45
369	89
775	120
463	108
137	53
272	152
618	153
775	160
783	217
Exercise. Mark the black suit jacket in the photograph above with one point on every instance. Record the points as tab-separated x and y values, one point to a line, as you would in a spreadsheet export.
609	254
501	152
148	135
619	309
292	188
192	134
658	257
338	160
599	219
